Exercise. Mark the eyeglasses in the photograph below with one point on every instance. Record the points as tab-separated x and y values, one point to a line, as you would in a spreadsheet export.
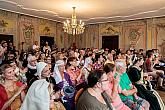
124	67
102	81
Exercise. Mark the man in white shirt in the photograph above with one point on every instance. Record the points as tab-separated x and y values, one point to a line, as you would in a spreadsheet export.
35	46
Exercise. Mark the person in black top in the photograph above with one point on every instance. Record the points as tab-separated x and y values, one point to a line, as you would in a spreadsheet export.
31	70
136	77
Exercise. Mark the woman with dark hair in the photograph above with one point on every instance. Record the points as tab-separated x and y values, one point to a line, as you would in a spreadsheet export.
92	98
99	61
136	77
75	74
70	70
47	53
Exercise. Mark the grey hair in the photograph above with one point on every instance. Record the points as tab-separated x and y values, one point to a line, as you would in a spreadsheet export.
119	63
30	57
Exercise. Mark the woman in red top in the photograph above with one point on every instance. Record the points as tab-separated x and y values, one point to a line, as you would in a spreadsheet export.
11	92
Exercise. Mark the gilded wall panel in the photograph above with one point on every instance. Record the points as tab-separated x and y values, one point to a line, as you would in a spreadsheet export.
135	34
28	31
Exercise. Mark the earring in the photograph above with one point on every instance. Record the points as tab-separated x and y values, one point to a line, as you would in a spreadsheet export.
2	78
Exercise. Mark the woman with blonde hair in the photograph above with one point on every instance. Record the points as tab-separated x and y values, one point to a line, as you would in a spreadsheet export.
11	92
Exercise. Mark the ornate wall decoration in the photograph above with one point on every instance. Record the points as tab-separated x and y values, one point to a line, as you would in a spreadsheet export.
110	30
159	36
28	32
135	35
7	22
3	23
46	28
160	26
25	27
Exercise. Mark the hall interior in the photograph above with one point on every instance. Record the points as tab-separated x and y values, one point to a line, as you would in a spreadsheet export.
138	23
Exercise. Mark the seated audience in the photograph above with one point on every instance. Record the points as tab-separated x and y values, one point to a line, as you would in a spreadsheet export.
113	89
40	95
92	99
129	92
64	83
135	75
157	74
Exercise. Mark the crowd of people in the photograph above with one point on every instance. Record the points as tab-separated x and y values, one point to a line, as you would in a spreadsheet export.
80	79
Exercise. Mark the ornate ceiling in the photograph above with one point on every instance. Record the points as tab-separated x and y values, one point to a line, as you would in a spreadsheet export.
90	11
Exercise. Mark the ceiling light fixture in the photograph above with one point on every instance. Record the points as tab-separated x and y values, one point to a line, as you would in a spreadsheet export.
73	26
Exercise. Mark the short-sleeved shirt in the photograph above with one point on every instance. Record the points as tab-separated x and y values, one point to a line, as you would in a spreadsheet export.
125	85
89	102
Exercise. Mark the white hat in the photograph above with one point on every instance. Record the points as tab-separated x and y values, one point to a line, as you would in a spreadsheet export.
87	61
37	97
57	75
40	66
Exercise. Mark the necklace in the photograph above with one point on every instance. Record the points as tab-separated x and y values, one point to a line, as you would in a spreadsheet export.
10	88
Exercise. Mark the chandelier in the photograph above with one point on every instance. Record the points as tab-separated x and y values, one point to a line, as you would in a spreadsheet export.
73	26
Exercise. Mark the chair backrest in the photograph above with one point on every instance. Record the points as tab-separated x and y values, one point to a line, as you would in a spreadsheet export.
78	93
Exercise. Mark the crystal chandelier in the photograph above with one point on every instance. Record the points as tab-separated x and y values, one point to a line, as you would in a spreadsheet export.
73	26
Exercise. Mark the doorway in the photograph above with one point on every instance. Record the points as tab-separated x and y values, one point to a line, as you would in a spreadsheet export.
44	39
7	38
110	42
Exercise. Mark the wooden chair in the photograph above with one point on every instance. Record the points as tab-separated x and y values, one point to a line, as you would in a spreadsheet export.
79	92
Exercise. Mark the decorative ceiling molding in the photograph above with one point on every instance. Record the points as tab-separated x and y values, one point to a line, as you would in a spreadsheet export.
54	16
